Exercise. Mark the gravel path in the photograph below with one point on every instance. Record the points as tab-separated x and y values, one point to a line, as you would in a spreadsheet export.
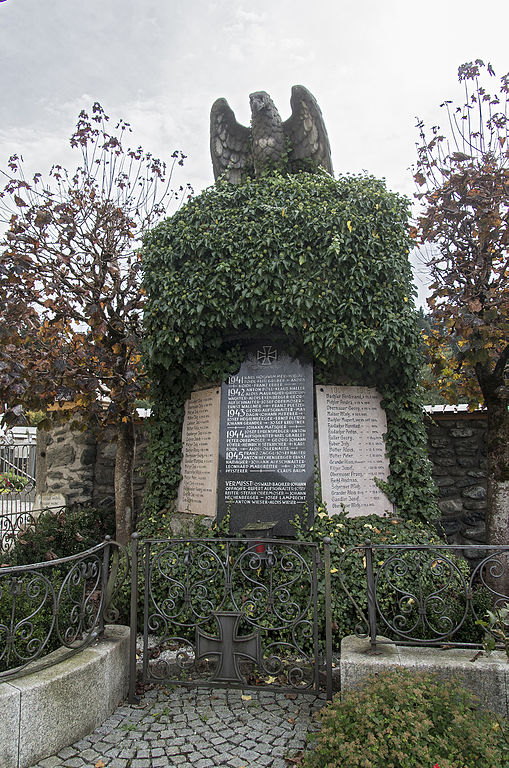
202	728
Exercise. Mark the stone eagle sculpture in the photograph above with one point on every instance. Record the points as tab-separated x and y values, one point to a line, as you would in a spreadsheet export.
299	143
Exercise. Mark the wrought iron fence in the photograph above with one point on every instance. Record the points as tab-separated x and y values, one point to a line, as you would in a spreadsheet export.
14	524
240	612
427	594
17	480
62	603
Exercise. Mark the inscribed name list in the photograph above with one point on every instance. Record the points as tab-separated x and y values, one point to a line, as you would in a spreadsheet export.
200	447
266	444
351	423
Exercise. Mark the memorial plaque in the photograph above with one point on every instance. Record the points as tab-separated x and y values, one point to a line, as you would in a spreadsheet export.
200	446
266	440
351	423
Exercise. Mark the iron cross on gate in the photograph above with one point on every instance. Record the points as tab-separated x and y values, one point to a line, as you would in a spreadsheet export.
228	647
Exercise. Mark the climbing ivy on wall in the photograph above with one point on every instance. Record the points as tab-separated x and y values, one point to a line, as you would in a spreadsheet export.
323	262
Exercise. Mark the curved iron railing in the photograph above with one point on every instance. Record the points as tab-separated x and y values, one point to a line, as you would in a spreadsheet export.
62	603
427	594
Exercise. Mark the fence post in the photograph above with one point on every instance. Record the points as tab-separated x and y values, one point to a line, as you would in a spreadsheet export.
133	699
370	580
104	590
328	618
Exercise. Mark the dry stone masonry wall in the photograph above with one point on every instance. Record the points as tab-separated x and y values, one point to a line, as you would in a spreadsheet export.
457	449
81	468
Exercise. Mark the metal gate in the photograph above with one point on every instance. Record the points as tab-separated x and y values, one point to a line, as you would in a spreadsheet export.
241	613
17	482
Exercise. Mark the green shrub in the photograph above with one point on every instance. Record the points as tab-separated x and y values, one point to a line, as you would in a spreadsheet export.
60	533
349	571
404	719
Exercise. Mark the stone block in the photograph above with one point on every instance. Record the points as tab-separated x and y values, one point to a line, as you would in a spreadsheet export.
55	475
60	455
451	525
445	481
468	461
462	432
477	533
469	449
439	442
477	492
88	455
466	482
9	718
450	506
62	703
447	460
439	471
474	506
357	660
487	676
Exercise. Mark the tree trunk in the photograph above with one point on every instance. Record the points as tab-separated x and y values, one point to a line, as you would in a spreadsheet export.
497	512
124	467
497	521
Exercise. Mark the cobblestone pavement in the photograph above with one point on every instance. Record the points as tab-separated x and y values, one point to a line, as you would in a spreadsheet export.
201	728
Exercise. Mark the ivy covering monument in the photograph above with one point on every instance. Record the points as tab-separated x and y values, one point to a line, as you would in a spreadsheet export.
320	262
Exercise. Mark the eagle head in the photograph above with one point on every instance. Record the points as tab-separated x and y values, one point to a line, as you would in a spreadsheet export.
259	100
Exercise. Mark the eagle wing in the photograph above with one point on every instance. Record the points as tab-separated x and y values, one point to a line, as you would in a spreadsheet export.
306	133
230	144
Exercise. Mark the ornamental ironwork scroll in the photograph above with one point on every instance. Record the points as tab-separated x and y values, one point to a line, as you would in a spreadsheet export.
57	604
235	611
425	594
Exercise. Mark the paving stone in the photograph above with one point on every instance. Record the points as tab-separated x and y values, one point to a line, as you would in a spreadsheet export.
237	762
193	757
50	762
127	753
65	753
160	762
83	744
89	754
74	762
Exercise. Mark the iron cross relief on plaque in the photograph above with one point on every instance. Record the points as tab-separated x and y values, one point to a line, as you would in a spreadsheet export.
228	647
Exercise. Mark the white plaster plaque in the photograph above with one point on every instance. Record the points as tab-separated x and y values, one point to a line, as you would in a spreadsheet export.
49	501
351	423
200	447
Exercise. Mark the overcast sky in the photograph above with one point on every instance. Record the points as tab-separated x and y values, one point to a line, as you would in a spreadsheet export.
372	65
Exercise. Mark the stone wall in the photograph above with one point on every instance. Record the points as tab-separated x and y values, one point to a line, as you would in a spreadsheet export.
76	465
66	464
81	468
457	449
104	469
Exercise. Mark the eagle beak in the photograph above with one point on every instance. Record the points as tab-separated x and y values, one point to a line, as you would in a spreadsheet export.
256	103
